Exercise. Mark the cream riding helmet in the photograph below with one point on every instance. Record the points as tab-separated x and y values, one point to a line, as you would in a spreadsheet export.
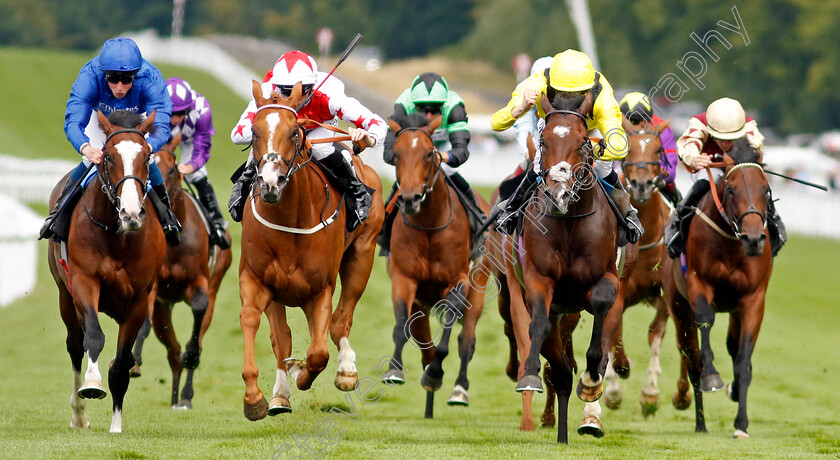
726	119
571	70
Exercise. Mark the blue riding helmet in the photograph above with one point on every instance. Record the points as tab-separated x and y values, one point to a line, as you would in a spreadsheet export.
120	55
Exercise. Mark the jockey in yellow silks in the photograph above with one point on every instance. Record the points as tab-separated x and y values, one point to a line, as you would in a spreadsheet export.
570	75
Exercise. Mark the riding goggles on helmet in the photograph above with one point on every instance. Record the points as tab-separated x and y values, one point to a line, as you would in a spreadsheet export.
115	77
286	90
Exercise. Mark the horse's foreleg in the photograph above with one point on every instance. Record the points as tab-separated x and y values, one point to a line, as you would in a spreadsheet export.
138	346
751	311
705	315
119	373
607	318
448	313
318	312
255	298
403	291
686	330
165	332
547	419
356	265
86	300
281	343
540	291
656	331
466	347
198	304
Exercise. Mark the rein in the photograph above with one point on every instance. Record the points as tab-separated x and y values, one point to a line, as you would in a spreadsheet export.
428	187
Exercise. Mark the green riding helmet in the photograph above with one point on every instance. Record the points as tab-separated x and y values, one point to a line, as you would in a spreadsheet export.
429	88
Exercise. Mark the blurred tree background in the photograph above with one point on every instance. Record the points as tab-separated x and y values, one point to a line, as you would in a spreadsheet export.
787	72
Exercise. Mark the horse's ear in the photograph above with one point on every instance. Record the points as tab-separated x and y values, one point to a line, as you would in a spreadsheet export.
256	90
297	91
661	126
434	124
146	125
625	123
395	127
106	125
532	149
175	142
545	103
586	105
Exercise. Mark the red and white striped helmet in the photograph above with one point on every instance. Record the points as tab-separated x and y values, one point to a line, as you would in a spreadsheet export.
292	67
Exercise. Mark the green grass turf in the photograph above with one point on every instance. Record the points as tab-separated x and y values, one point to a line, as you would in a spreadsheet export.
792	406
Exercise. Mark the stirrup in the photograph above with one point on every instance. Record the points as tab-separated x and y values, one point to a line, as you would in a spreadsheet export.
506	223
220	238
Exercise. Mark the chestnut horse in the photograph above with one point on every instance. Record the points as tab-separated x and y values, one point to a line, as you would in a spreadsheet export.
430	261
191	274
640	169
293	246
729	264
567	252
113	254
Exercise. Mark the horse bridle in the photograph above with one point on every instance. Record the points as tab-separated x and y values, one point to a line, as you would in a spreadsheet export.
428	186
735	223
300	138
109	189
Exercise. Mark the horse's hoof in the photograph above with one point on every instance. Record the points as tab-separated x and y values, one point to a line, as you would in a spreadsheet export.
430	383
184	404
393	376
588	393
649	401
547	420
258	411
135	371
190	359
79	424
738	434
92	389
279	405
622	369
529	383
681	400
512	369
613	398
711	383
591	426
458	397
346	381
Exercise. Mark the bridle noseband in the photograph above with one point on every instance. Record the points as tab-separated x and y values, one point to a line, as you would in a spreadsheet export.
109	189
735	223
300	138
582	172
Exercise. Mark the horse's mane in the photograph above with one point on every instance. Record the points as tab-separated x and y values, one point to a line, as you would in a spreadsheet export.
127	119
562	100
743	152
412	120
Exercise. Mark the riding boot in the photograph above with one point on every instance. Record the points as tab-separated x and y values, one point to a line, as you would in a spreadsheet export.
670	191
208	199
241	186
57	224
509	217
778	234
384	238
170	224
357	196
621	199
673	236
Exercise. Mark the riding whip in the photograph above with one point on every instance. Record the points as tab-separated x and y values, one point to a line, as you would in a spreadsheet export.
341	59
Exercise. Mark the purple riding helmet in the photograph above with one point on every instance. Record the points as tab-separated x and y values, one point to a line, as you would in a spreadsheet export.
181	94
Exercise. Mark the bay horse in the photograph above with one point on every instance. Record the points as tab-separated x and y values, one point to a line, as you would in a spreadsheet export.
729	263
113	254
641	167
429	263
294	246
191	274
567	253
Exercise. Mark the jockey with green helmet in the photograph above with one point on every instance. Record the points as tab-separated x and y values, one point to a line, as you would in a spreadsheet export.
571	73
429	94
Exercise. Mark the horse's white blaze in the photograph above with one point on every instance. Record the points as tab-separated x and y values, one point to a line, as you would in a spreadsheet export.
116	422
562	174
561	131
268	173
281	385
414	142
92	372
77	403
644	142
273	119
346	356
129	199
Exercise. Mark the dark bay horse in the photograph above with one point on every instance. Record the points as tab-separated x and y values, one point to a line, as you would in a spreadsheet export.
729	265
430	261
640	169
113	255
294	245
568	260
191	274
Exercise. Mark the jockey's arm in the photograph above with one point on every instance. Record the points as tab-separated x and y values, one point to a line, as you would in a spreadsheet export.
691	143
157	99
607	118
241	132
522	99
459	137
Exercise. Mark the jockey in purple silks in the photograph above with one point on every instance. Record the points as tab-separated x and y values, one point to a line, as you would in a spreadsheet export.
193	119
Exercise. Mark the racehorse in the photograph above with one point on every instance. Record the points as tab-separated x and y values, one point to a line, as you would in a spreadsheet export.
191	274
729	263
113	254
567	252
640	169
293	246
430	261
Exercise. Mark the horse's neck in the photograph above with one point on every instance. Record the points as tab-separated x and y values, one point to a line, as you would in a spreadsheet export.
98	206
652	214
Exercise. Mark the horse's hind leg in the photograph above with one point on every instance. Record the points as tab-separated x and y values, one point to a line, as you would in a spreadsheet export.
86	299
138	346
561	376
709	378
75	349
686	329
118	375
165	332
656	331
466	340
453	309
281	343
403	291
607	317
744	328
421	333
198	304
318	312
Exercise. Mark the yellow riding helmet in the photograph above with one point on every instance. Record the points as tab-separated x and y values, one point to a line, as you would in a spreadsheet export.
571	70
